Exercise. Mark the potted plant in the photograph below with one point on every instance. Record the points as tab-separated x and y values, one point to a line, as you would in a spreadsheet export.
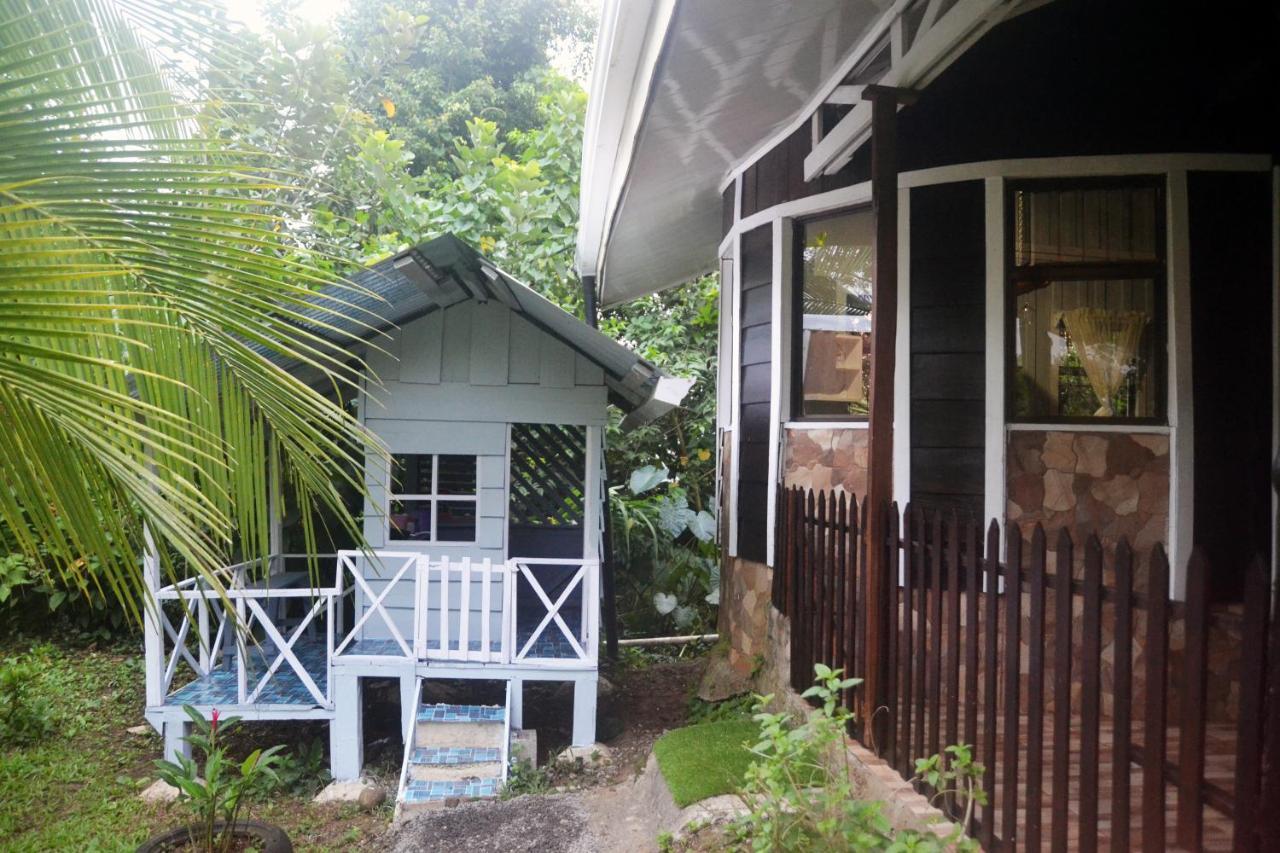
216	796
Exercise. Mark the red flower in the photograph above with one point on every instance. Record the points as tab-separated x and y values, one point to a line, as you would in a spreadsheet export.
214	723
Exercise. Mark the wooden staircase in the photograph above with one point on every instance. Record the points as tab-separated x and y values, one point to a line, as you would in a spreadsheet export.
454	752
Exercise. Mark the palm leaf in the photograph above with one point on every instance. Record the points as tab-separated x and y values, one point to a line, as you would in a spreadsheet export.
149	294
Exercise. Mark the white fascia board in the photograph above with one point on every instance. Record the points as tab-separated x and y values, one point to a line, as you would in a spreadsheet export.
933	49
632	35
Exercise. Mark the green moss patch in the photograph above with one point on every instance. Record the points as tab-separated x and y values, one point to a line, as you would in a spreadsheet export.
707	759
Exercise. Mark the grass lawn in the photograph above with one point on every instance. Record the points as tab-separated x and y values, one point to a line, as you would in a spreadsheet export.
78	789
706	759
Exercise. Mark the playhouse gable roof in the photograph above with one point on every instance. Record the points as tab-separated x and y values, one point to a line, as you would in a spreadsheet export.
446	271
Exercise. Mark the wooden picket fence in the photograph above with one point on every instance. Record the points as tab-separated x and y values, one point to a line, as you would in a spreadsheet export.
1080	749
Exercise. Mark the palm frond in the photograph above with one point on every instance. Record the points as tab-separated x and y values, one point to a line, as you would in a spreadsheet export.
149	294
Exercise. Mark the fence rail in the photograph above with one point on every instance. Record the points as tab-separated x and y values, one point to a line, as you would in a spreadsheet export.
1055	664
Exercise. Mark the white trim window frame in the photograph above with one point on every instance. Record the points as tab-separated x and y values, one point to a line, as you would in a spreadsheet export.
435	497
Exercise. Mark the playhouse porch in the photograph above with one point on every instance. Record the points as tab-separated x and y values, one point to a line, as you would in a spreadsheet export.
292	650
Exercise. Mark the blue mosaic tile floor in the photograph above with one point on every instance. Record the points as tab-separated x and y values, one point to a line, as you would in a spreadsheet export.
423	791
377	648
284	688
461	714
437	755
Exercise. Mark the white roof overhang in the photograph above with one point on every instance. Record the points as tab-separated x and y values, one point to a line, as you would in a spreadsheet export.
683	97
680	93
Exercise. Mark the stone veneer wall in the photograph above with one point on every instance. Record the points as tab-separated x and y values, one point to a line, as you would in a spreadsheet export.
746	587
826	460
1111	484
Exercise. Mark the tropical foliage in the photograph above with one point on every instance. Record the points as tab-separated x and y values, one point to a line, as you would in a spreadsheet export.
149	294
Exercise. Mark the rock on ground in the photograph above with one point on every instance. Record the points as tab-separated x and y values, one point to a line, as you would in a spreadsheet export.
159	791
353	791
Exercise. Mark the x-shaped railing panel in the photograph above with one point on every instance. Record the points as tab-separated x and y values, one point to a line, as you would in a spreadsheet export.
553	609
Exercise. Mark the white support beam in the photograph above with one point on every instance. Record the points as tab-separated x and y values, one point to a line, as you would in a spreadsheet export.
845	95
930	51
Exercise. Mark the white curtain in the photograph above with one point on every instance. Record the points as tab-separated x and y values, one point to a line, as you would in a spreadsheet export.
1106	342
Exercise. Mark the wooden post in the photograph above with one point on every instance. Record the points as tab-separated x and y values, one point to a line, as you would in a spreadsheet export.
884	332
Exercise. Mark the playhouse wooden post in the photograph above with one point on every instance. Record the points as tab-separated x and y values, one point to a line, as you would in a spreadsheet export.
584	710
346	730
884	332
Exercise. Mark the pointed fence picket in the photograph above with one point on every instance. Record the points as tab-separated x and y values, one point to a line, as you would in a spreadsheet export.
1008	657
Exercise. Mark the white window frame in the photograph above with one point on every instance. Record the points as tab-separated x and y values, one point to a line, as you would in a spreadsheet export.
435	497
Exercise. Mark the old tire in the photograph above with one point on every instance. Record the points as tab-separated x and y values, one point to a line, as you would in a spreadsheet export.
267	838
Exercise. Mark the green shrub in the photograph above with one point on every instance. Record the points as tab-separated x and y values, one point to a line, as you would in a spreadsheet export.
796	802
23	719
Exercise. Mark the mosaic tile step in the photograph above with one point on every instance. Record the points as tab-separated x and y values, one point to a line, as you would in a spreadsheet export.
438	755
423	791
461	714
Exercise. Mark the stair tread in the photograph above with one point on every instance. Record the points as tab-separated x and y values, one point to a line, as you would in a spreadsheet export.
461	714
422	790
441	755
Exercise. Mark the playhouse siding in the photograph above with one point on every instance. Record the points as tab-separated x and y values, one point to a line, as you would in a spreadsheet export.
452	382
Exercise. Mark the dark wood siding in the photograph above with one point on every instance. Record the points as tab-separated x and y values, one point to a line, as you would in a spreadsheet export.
1107	97
726	209
948	274
1231	340
756	264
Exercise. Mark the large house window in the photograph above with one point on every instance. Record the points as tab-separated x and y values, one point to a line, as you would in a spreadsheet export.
835	258
432	498
1086	301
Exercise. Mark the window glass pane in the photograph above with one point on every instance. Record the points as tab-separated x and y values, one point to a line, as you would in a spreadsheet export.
410	520
411	474
1086	349
456	522
457	475
1085	225
835	350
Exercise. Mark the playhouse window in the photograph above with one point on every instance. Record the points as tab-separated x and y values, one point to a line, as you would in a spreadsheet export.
1086	301
432	498
835	258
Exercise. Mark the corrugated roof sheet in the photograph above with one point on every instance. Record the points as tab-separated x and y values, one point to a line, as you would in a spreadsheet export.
446	271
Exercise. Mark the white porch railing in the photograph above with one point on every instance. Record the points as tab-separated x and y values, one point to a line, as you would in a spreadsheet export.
406	605
262	630
459	627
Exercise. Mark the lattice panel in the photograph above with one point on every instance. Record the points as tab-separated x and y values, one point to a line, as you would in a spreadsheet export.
548	472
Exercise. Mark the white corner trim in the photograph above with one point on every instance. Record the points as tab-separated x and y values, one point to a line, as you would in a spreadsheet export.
735	397
1086	166
775	386
1181	532
1128	429
803	425
994	421
902	359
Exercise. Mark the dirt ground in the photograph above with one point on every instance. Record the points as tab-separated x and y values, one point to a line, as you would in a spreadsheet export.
599	813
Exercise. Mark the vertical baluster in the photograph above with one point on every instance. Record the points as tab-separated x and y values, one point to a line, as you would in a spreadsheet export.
935	586
1012	676
817	502
843	598
920	703
852	574
1269	820
991	631
830	574
862	539
1249	726
972	598
905	637
952	735
1122	698
1062	604
464	611
1191	735
1090	683
886	728
858	600
1035	692
1154	739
